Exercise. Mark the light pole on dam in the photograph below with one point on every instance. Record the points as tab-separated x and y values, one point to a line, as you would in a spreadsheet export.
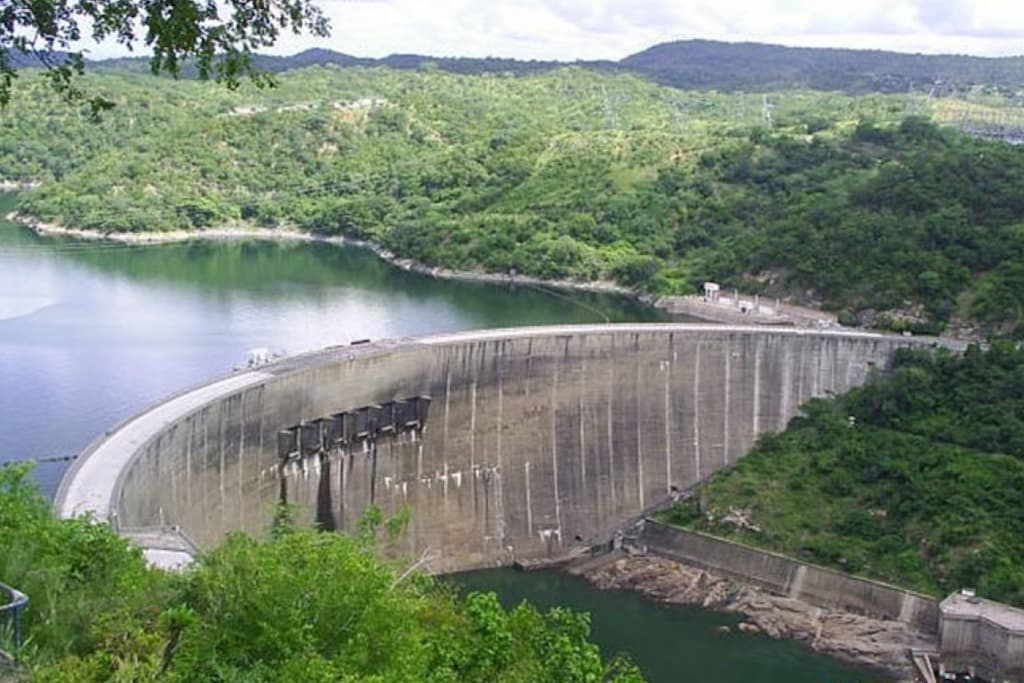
504	444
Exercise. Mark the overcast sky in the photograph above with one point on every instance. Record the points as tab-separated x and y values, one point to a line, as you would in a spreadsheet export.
612	29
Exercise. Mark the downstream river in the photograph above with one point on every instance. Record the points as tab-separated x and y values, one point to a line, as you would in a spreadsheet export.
91	333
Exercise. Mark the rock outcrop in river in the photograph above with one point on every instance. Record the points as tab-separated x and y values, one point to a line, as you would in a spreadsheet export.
873	642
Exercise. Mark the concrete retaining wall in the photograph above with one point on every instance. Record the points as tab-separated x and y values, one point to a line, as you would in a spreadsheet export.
537	439
785	576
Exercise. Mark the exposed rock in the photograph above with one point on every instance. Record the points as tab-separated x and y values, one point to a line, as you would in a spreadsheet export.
867	317
855	638
741	519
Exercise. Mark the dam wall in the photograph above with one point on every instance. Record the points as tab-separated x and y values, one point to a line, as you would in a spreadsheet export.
502	444
786	576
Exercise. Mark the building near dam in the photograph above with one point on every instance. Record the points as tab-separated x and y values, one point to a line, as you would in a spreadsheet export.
982	636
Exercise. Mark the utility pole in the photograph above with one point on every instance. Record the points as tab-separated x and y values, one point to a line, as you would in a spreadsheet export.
766	111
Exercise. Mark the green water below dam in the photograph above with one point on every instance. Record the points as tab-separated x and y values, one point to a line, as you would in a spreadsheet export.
671	644
91	333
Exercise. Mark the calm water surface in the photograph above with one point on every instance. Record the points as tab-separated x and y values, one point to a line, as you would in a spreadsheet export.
670	644
91	333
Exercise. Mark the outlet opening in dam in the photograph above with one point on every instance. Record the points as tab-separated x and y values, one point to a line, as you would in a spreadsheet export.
505	445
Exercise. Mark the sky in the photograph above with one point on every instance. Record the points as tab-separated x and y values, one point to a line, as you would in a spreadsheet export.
612	29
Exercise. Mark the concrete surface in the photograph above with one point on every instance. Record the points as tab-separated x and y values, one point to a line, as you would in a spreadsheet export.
791	578
983	636
537	440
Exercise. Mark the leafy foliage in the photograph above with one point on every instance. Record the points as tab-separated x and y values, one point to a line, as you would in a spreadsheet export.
220	37
917	478
304	605
888	219
72	570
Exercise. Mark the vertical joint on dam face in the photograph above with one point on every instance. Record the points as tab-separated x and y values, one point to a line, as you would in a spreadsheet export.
546	436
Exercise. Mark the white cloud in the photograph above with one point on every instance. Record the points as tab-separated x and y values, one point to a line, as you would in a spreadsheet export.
611	29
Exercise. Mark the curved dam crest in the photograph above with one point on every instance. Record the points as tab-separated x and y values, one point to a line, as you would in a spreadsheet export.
510	444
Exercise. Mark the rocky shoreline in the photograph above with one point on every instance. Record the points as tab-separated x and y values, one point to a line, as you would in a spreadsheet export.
857	639
676	307
242	231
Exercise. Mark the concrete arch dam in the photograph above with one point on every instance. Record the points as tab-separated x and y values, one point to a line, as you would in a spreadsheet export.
504	444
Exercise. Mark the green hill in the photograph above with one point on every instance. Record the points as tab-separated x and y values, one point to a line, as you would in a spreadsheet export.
757	67
571	173
717	65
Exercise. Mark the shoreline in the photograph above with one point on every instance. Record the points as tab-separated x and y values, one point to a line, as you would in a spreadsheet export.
674	307
855	639
233	232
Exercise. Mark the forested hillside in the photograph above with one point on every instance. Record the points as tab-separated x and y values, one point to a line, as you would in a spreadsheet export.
917	478
857	204
757	67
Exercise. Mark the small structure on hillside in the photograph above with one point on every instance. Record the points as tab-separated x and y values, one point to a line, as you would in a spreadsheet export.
711	291
981	636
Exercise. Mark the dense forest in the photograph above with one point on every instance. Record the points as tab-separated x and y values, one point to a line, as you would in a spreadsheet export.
857	204
916	478
297	606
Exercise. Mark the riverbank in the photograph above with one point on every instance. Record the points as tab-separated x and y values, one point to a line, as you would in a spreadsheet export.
676	307
857	639
242	231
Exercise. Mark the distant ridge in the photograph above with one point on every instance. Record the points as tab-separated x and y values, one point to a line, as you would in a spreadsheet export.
760	66
707	64
23	60
323	56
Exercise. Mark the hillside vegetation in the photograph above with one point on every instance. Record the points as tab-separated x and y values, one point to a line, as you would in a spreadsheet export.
299	606
853	203
916	478
757	67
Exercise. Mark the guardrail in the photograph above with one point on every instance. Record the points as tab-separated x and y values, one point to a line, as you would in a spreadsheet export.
11	609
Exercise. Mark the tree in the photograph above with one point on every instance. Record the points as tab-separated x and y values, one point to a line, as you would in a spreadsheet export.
220	35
